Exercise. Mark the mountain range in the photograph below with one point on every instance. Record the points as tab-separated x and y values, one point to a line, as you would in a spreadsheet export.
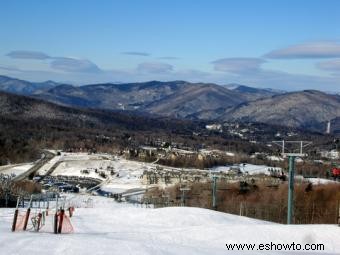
28	124
24	108
22	87
180	99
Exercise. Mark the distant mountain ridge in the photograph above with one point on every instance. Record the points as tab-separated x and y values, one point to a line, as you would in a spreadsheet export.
195	98
22	87
25	108
181	99
252	94
298	109
130	96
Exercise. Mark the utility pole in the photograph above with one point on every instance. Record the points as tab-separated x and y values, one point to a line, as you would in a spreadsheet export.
291	154
214	192
291	160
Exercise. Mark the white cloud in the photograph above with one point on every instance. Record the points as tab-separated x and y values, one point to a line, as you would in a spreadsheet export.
74	65
236	65
136	53
331	65
327	49
10	68
169	58
65	64
154	67
25	54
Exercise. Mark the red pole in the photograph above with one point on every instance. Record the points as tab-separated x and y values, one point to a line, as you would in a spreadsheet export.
28	213
15	215
56	222
48	205
61	219
26	218
56	215
15	219
39	220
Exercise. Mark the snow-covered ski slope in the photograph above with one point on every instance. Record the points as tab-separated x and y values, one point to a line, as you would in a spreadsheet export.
113	228
15	169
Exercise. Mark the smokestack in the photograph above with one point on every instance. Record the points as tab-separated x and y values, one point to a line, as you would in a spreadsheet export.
328	130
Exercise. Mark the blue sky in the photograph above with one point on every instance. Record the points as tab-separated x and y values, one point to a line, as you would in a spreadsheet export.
283	44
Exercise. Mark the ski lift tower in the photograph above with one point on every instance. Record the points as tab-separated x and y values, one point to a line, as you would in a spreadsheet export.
184	189
291	149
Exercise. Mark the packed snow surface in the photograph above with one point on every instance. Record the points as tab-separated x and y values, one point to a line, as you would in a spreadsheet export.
321	181
15	169
112	228
127	173
248	168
